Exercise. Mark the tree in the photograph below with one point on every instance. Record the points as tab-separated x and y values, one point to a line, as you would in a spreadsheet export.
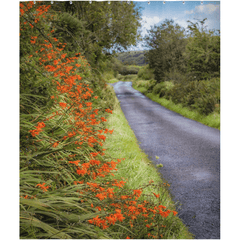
202	52
167	43
99	28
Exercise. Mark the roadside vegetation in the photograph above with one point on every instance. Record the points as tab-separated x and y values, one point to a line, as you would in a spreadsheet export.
183	73
204	110
140	172
72	184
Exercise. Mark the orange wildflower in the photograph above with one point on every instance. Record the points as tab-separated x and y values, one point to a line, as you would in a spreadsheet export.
88	104
63	105
111	219
174	213
76	182
94	154
103	119
34	132
43	187
75	162
156	195
118	215
55	144
81	171
100	196
41	125
98	208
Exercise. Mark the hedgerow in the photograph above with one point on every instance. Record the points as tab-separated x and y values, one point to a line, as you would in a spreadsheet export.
65	188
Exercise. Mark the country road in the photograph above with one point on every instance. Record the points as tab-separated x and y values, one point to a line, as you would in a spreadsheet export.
189	152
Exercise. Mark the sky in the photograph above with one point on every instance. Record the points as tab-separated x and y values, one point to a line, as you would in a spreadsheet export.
156	12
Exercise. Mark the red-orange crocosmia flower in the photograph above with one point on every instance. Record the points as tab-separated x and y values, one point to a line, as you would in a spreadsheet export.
100	196
63	105
156	195
55	144
43	187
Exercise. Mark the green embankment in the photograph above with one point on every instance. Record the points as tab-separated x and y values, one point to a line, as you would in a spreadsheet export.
211	120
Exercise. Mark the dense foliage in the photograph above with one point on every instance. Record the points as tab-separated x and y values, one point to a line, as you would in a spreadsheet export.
202	96
167	44
193	55
99	28
202	52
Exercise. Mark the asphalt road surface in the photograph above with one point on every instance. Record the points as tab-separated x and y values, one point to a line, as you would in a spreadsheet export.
189	152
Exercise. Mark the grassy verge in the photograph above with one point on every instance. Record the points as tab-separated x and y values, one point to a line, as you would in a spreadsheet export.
139	170
113	80
211	120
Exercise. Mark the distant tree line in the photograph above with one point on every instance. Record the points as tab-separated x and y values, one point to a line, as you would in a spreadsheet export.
193	54
132	58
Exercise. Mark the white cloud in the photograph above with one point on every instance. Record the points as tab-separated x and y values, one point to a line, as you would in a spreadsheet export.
147	22
200	8
209	11
209	8
189	12
181	22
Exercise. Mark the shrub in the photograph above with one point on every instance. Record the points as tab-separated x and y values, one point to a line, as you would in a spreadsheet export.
175	75
163	89
150	85
145	73
158	87
208	97
203	96
130	77
126	70
120	77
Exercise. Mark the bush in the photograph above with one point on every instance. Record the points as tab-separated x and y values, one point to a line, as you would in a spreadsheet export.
151	84
163	89
203	96
175	75
145	73
158	87
126	70
208	97
120	77
130	77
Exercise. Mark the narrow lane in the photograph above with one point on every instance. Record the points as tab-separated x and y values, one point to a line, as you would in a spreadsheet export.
189	152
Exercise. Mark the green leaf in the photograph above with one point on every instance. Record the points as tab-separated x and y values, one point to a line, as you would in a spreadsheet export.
32	221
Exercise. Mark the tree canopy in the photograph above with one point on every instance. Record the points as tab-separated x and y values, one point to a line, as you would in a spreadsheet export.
98	28
167	44
202	51
194	53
